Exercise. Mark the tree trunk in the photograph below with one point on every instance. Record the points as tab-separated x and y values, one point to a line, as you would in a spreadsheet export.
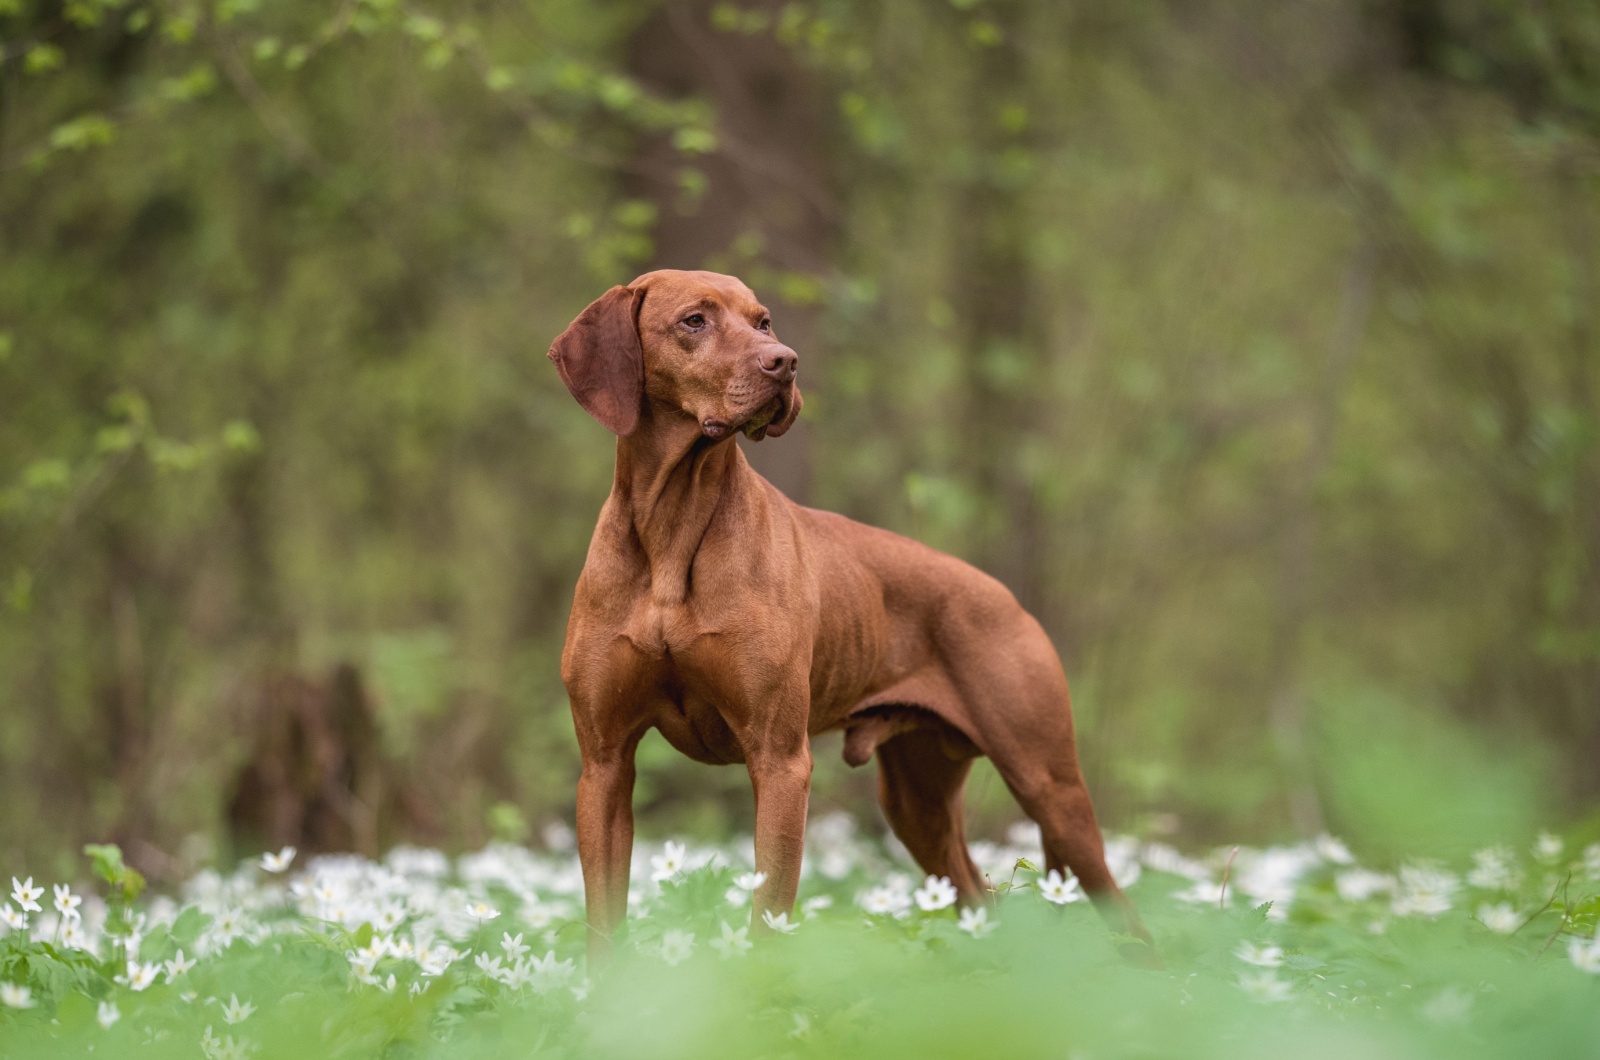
765	213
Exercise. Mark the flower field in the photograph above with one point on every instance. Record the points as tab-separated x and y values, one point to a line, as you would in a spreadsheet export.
1265	950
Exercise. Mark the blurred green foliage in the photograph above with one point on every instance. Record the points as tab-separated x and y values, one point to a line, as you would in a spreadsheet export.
1321	972
1253	345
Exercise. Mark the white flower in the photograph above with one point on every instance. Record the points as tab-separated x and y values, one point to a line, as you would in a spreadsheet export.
815	904
548	973
223	1048
516	976
386	985
1264	986
749	881
976	922
1273	875
779	923
669	862
74	937
513	946
1547	847
235	1011
1205	892
837	864
361	966
1493	870
438	959
1423	892
107	1014
936	893
139	976
178	965
1500	917
734	941
677	946
736	897
886	900
1260	956
1122	858
488	965
12	919
66	902
278	862
1585	955
27	895
1058	890
1357	885
228	925
1333	850
482	911
14	996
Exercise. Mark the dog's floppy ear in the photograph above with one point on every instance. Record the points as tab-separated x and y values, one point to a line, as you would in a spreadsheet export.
601	361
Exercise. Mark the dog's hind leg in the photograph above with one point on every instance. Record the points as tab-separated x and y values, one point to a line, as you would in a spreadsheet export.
921	774
1058	801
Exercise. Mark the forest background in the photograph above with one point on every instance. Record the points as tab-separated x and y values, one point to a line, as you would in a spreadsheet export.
1255	345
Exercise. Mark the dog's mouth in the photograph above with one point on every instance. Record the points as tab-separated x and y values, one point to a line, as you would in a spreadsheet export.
773	416
755	428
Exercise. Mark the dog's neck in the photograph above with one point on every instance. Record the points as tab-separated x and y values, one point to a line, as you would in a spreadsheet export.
669	481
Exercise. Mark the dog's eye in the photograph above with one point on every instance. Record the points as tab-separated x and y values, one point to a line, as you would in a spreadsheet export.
765	325
694	321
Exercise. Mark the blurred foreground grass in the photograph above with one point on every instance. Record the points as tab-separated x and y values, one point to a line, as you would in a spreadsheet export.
1283	950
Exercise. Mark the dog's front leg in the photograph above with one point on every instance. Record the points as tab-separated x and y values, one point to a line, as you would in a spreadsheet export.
782	781
605	842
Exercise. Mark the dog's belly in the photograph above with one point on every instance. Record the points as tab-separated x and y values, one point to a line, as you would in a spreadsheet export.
697	730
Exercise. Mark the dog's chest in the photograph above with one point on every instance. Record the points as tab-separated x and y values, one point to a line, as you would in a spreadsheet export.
660	630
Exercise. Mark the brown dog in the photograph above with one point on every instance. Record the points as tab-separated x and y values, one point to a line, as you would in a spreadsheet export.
741	624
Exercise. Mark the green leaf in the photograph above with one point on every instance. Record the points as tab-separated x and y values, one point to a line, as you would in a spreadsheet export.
43	58
20	594
241	437
126	881
695	141
82	133
47	474
199	81
107	860
188	926
118	439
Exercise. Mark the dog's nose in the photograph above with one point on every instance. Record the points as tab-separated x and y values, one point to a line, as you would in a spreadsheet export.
780	363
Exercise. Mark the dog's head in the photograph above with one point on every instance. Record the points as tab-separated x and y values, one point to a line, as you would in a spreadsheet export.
695	344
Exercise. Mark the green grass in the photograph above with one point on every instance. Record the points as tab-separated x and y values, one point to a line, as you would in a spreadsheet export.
1406	969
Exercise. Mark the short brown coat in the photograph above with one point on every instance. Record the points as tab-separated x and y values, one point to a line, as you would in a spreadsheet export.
740	624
